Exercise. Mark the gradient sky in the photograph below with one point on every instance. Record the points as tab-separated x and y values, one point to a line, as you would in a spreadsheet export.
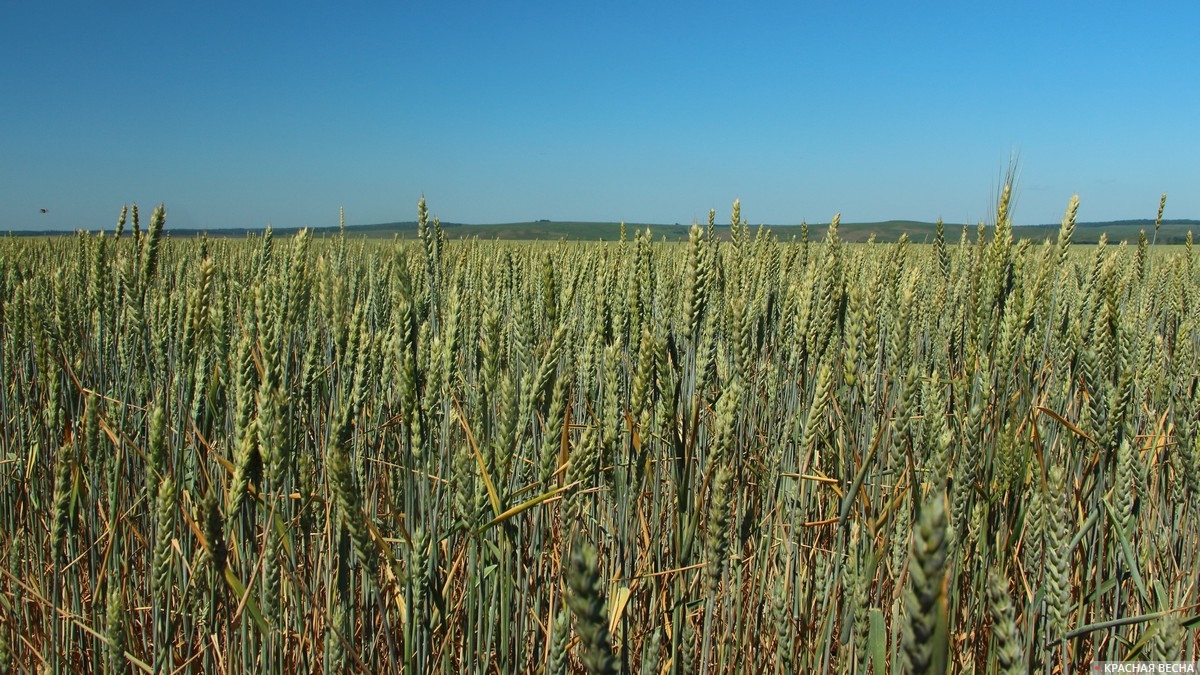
243	114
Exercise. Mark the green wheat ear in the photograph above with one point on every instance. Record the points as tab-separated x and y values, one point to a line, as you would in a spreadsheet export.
717	541
1168	639
349	501
115	628
560	636
1058	553
586	600
1009	655
1162	204
925	627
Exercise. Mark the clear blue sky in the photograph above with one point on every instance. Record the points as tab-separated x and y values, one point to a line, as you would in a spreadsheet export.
240	114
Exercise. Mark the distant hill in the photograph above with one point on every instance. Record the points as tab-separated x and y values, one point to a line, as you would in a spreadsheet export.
1171	232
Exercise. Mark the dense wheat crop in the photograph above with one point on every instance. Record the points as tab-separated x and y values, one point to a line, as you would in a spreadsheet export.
731	455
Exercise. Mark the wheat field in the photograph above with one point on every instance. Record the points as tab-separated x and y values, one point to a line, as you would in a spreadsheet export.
734	455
